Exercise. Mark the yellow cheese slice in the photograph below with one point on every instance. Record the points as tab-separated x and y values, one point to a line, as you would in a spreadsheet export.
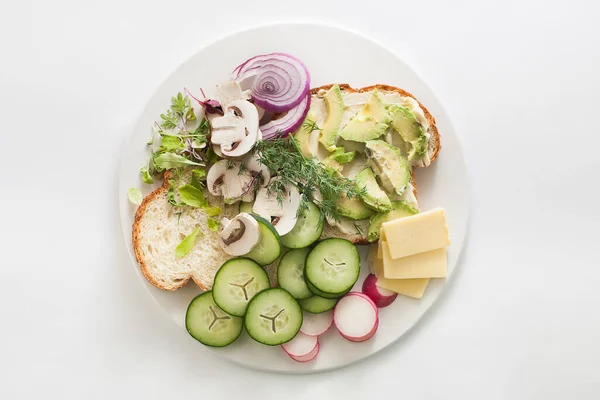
417	233
381	240
407	287
431	264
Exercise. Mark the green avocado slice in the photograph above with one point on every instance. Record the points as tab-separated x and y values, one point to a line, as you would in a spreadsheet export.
400	209
331	126
371	122
374	197
390	165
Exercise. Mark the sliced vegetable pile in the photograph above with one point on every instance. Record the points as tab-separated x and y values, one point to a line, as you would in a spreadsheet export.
313	295
237	148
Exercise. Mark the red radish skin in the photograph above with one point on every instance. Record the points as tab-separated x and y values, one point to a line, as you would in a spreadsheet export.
316	324
310	356
301	346
380	296
362	338
356	317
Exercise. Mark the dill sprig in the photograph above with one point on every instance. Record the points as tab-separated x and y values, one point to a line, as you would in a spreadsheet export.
284	158
310	125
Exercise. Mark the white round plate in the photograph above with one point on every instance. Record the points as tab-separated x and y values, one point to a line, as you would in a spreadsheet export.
333	55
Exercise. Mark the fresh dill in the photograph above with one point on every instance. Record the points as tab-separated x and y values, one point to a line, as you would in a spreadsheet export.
283	157
242	169
310	125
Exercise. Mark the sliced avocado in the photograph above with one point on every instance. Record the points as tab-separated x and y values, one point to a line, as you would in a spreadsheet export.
374	197
411	131
331	162
371	122
390	165
400	209
342	157
302	134
354	208
331	126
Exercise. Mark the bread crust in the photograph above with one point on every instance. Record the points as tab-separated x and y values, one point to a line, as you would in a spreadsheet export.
435	143
139	214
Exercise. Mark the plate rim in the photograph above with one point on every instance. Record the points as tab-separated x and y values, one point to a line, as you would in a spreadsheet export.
449	281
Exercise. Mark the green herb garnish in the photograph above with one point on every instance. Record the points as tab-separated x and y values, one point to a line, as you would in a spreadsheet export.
213	224
164	161
212	211
283	156
186	244
135	196
192	196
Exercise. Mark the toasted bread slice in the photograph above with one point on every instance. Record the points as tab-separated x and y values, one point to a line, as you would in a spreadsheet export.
434	141
157	230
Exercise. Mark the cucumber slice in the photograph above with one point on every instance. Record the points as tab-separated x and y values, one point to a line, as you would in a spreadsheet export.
274	317
325	295
290	273
236	283
332	266
269	247
210	325
317	304
246	207
308	229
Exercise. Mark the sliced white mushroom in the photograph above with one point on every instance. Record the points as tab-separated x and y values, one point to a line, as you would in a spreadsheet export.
241	148
282	216
237	130
248	197
240	235
255	168
216	177
217	149
226	178
231	91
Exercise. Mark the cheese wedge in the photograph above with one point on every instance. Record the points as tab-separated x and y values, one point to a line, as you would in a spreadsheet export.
417	233
407	287
430	264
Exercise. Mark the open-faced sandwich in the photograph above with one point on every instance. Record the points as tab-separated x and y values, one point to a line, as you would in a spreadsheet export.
267	188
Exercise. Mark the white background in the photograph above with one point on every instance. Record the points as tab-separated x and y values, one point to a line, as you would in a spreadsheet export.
520	81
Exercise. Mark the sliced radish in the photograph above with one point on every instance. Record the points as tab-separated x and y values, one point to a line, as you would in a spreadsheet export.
310	356
380	296
301	346
356	317
316	324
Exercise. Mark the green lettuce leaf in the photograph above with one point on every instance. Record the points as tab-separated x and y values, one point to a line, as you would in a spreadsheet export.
171	143
213	224
192	196
171	160
135	196
212	211
186	244
146	175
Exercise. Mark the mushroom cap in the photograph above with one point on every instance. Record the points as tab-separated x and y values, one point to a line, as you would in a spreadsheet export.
231	183
237	130
283	216
255	166
240	235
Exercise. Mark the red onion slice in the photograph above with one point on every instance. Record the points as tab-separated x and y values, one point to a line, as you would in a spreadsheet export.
288	123
280	81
